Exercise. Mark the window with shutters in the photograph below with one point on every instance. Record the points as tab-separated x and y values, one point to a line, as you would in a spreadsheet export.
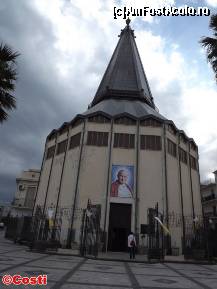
77	122
193	162
171	147
150	122
50	152
124	140
183	139
125	121
63	130
98	119
171	129
96	138
75	141
183	156
150	142
61	147
193	146
52	135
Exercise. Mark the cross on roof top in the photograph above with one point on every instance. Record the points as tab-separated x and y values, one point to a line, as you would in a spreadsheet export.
128	21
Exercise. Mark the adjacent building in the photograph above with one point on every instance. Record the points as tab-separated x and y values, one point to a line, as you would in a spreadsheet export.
23	202
4	210
122	155
209	200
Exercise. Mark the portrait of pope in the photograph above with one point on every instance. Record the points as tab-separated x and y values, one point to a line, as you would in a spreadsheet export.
121	186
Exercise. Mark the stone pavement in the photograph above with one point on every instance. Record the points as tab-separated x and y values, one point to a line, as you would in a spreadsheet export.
123	256
72	272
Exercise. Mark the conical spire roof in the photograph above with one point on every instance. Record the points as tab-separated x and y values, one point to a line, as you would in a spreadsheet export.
124	77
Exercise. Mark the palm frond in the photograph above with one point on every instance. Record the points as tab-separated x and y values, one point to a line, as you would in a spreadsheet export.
7	100
213	22
208	41
210	45
6	53
8	76
3	115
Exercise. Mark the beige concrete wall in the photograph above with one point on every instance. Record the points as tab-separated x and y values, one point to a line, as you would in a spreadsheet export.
103	127
93	175
174	192
186	190
70	171
50	143
67	192
68	184
173	185
56	170
69	178
62	137
196	192
94	164
94	172
44	177
186	183
151	176
54	181
150	182
42	187
120	128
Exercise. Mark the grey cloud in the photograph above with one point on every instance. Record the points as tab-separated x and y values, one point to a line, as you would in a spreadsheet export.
169	100
208	160
39	92
44	99
8	187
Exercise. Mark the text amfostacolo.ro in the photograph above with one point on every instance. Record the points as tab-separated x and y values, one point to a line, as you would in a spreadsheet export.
185	10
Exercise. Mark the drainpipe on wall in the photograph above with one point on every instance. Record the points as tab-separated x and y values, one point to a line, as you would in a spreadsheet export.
36	194
108	187
168	245
48	183
61	177
76	188
192	196
137	179
182	208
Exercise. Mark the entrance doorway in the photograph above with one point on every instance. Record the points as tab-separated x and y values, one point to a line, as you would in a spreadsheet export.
119	226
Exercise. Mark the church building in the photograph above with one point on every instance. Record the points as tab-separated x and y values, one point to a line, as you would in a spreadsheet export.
122	155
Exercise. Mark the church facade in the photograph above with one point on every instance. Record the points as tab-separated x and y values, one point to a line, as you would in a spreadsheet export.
122	155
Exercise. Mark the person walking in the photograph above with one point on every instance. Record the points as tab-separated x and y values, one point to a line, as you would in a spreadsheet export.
132	245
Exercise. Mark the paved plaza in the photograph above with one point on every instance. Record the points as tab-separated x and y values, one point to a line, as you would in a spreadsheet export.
68	272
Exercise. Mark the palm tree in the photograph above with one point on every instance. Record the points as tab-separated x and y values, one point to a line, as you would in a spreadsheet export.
8	76
210	44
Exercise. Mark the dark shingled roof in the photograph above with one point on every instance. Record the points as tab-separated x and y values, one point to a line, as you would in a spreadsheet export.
114	107
124	77
124	89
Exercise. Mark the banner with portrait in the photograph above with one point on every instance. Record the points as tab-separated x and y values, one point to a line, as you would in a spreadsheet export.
122	181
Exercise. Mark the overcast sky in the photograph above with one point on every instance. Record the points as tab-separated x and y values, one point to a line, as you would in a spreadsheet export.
65	47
